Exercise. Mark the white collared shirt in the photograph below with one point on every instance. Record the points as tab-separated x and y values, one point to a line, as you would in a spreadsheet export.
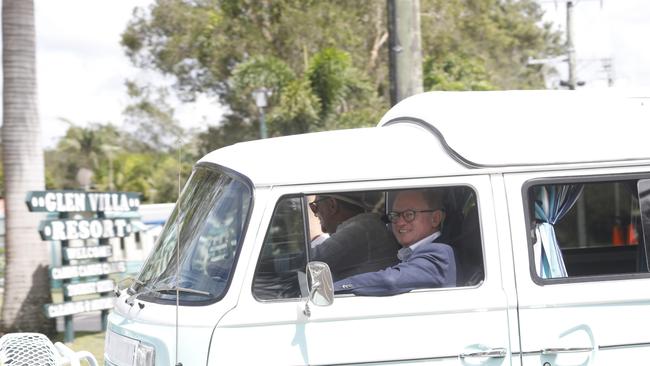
427	239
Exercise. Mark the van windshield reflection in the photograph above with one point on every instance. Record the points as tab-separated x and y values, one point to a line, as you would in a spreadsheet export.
210	214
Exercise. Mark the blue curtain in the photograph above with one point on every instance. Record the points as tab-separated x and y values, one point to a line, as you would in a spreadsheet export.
552	202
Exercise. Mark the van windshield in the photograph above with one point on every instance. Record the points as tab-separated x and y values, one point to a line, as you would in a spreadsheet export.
210	214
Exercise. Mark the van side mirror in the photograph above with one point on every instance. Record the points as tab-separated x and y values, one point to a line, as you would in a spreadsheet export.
321	287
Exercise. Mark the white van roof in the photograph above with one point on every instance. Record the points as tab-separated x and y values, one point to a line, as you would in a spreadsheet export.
536	127
452	133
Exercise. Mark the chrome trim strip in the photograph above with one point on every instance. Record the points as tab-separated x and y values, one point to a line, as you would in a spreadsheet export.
547	351
379	362
628	345
492	353
552	351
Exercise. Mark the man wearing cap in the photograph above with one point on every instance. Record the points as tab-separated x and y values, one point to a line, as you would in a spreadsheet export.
416	218
358	241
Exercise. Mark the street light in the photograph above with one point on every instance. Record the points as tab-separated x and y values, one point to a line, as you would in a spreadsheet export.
260	95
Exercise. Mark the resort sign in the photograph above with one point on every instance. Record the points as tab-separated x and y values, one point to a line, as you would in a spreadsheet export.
84	230
82	201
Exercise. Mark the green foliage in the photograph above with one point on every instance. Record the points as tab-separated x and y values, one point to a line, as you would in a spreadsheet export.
326	61
81	147
455	73
149	120
299	109
116	162
498	36
259	43
327	75
261	72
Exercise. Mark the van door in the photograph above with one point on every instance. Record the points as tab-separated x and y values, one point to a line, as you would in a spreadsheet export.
466	325
267	327
581	265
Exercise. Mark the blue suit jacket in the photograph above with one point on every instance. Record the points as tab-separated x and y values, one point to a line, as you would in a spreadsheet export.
430	265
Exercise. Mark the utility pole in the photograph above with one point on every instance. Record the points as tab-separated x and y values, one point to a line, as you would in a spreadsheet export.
405	49
571	56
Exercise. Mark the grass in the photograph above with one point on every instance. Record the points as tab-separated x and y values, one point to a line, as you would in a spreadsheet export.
92	342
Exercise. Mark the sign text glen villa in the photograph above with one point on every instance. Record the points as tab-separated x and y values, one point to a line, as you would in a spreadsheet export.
85	268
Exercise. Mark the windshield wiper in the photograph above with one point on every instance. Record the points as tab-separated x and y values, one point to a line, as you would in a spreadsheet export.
164	289
118	291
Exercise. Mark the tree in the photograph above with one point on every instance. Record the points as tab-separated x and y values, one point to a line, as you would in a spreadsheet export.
324	96
202	43
117	162
91	147
485	44
456	72
467	45
27	283
150	120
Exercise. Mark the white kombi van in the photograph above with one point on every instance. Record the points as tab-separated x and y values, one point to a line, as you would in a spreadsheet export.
547	209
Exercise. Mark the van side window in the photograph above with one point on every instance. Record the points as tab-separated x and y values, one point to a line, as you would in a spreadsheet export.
281	266
359	235
589	228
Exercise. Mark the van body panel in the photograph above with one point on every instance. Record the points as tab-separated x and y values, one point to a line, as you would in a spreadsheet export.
423	327
460	120
434	326
283	160
272	327
163	338
596	322
155	324
506	261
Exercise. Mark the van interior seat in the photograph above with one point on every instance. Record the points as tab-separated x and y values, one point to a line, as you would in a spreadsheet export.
464	235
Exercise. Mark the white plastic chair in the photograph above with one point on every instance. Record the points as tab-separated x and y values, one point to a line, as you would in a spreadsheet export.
36	349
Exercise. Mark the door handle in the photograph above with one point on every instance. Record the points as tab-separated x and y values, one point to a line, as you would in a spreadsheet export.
555	350
493	353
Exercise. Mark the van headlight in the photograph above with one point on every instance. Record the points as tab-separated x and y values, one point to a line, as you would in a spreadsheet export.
125	351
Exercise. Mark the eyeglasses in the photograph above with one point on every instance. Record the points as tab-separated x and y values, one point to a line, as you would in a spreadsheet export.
407	215
314	205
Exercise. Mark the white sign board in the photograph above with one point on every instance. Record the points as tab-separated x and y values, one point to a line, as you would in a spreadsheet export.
75	307
85	288
87	270
81	201
84	229
99	251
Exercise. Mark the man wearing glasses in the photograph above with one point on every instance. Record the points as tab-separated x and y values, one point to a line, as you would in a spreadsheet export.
358	240
416	218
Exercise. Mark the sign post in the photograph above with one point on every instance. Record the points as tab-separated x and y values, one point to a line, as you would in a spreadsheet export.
79	263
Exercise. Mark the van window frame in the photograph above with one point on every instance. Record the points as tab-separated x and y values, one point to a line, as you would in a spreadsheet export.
245	180
304	206
573	179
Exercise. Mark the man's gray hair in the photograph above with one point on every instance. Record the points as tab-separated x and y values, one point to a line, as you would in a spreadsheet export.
434	197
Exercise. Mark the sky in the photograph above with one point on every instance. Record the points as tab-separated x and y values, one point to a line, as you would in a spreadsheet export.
617	30
82	68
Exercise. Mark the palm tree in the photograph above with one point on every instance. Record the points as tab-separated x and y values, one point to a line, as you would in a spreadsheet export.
27	285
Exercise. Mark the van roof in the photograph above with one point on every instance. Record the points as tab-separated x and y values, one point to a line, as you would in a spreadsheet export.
536	127
451	133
